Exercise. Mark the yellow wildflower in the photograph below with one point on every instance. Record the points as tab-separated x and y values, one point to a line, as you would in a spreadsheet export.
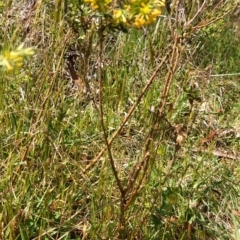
145	9
139	21
118	16
92	3
15	58
156	12
102	5
144	12
5	63
136	12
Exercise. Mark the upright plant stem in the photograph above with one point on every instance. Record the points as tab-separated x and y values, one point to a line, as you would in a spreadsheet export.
121	226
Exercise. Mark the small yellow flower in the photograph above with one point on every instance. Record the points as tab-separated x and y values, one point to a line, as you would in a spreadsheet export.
145	9
4	62
101	5
15	58
92	3
139	21
118	16
156	12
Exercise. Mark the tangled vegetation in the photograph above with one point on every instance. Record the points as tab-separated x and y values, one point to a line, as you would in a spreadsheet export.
119	119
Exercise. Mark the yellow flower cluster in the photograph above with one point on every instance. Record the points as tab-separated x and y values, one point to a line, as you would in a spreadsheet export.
12	59
120	16
135	13
101	5
146	12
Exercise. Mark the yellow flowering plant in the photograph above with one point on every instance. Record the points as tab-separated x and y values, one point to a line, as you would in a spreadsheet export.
144	12
14	59
136	13
100	5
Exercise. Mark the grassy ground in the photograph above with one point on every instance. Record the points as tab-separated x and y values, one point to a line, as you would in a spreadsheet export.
172	169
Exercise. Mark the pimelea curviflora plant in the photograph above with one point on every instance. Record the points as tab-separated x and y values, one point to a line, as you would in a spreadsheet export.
13	59
137	13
